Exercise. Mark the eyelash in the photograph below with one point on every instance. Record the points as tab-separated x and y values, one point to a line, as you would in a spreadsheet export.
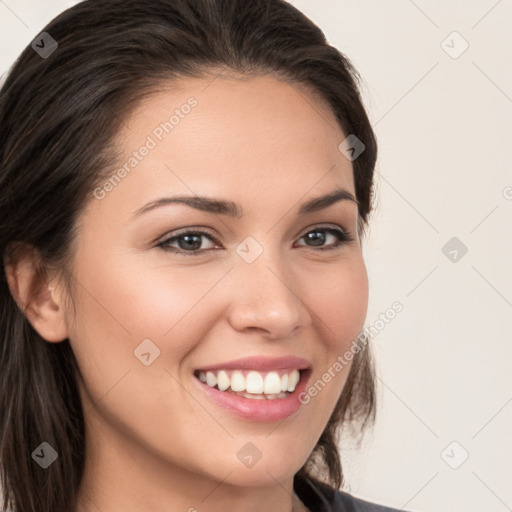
342	236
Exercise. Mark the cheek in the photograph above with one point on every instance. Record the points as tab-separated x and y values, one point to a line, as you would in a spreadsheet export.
145	300
118	309
121	303
340	300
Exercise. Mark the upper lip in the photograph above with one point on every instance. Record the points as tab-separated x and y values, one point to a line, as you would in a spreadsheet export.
261	364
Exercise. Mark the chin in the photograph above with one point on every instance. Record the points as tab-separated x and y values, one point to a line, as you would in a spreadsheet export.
260	476
251	467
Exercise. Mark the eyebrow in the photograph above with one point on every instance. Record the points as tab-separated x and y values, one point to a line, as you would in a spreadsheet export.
231	209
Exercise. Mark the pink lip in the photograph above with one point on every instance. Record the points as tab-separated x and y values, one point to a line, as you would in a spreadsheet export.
258	410
261	364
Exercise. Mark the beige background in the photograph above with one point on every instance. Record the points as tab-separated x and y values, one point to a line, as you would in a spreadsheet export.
444	125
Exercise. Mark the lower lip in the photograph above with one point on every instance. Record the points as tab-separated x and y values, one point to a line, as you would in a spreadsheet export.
258	409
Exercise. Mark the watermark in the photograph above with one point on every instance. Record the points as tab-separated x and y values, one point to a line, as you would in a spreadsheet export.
454	249
454	45
152	141
44	45
249	249
351	147
249	454
146	352
342	361
45	455
455	455
507	193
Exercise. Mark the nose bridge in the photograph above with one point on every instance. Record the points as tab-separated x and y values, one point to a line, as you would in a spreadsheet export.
266	295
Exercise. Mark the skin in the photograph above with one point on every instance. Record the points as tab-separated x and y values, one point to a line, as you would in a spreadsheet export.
155	441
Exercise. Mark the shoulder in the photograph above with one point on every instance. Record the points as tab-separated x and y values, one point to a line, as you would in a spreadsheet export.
346	502
320	497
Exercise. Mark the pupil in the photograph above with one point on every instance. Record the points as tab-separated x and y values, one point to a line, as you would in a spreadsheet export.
317	240
187	238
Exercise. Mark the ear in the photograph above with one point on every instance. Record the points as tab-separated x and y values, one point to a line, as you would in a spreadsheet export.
41	302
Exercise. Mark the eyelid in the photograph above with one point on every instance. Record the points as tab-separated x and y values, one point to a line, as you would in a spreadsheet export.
186	231
337	227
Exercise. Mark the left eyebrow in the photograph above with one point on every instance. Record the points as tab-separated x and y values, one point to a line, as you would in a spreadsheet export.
225	207
319	203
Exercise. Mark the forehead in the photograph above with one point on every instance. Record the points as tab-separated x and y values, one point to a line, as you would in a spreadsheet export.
231	136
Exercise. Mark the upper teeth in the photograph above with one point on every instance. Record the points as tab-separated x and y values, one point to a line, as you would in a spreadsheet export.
254	382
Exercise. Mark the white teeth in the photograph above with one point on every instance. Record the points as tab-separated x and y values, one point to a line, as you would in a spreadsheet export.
272	384
253	396
263	397
222	380
293	380
279	395
238	381
284	382
211	379
255	384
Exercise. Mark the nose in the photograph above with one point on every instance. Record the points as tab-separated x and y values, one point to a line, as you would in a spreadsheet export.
267	297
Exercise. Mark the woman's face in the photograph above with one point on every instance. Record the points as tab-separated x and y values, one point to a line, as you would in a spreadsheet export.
257	288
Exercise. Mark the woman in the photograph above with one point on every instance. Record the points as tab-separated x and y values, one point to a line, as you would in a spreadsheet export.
185	186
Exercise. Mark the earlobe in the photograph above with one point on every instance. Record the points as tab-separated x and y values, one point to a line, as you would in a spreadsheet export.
36	297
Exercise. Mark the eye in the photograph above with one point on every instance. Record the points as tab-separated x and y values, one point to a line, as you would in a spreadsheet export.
189	243
319	236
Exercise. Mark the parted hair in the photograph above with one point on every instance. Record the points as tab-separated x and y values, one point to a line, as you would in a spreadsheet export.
59	116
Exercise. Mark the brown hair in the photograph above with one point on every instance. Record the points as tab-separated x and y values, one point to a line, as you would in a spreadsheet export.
59	116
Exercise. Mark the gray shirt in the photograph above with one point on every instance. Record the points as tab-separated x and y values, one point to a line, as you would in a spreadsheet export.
319	497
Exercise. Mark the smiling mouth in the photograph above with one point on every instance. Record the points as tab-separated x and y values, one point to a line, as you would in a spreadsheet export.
252	384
